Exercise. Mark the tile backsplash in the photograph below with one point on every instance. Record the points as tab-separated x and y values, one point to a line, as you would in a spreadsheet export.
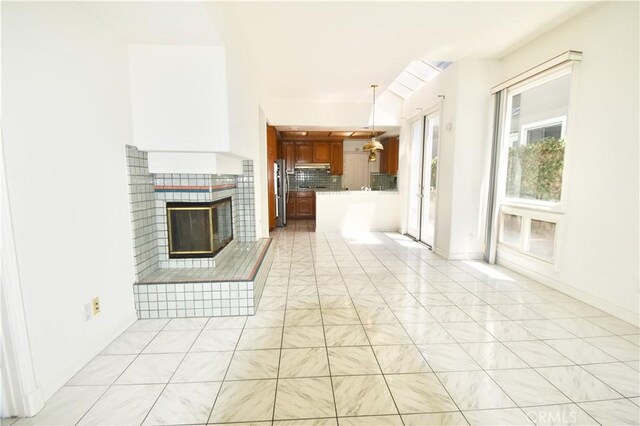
384	182
315	178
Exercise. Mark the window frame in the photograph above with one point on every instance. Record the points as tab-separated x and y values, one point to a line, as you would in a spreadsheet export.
561	119
523	246
534	81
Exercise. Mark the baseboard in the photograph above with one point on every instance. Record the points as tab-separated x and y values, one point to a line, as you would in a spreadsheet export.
603	305
459	256
33	402
85	356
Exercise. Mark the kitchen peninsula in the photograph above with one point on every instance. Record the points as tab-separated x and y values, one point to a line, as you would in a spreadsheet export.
338	211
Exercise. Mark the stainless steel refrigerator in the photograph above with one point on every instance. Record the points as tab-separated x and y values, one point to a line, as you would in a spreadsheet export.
281	183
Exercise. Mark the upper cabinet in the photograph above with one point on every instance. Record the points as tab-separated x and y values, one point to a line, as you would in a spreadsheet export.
337	161
321	152
389	156
289	154
304	152
312	152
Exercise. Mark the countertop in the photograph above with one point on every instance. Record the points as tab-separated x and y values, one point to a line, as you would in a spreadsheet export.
345	192
339	191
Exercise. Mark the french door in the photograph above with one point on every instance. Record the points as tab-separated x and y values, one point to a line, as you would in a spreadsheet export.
424	178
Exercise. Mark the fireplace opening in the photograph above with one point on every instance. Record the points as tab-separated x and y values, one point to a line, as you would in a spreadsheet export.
199	229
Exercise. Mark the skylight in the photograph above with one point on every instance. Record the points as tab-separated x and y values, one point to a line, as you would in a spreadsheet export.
415	75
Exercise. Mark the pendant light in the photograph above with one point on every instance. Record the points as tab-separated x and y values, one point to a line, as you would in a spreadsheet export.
373	145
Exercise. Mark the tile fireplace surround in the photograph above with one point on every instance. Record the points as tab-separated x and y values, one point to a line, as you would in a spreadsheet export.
228	284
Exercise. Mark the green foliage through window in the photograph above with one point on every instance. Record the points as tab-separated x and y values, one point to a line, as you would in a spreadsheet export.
535	170
434	172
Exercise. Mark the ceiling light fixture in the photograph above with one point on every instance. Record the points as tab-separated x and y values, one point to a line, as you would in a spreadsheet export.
373	145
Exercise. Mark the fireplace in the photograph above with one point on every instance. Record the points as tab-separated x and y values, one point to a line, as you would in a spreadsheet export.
199	229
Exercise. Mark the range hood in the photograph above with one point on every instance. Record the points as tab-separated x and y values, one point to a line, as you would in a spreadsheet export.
322	166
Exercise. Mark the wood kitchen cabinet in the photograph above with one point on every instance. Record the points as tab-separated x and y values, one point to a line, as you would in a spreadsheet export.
337	158
389	156
272	152
321	152
304	152
313	152
291	205
289	154
301	205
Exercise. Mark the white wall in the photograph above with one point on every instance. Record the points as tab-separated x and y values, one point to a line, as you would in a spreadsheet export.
598	254
472	129
66	119
357	211
179	98
247	126
194	162
349	115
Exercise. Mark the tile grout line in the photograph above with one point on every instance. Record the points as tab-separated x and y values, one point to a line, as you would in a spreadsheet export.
499	341
125	369
227	369
368	339
524	361
544	318
284	319
174	372
326	344
481	367
423	357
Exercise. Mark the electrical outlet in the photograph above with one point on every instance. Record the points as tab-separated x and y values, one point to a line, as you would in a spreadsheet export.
95	306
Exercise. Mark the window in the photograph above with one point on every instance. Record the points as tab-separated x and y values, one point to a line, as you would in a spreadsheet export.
531	168
511	229
527	232
535	129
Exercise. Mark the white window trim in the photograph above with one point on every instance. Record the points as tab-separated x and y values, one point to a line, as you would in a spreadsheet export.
527	215
562	120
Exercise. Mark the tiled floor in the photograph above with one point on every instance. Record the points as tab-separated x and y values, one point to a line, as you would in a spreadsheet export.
368	330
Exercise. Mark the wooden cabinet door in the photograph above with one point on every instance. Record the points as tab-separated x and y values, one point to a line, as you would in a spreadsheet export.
291	206
321	152
304	152
337	158
289	154
305	207
393	146
383	157
272	148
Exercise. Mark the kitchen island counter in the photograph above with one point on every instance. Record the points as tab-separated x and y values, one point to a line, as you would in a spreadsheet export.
338	211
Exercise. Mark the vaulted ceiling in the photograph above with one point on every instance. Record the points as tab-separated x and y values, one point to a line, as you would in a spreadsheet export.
332	51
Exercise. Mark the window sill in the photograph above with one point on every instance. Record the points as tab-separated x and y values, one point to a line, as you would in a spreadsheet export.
515	251
552	208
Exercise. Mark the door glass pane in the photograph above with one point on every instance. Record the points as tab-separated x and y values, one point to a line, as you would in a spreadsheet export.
429	182
433	171
414	179
536	126
542	238
511	229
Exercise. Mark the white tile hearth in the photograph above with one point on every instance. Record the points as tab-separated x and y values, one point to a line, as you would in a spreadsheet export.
367	331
